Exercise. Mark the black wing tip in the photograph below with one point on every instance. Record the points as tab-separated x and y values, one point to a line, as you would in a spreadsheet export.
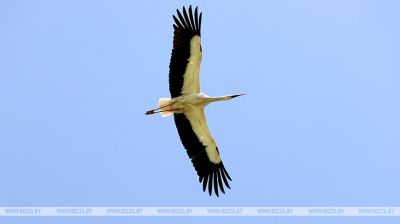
216	179
191	22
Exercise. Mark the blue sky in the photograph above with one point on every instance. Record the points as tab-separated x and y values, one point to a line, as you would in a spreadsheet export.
319	125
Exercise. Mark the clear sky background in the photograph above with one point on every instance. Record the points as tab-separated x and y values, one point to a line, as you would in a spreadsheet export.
319	125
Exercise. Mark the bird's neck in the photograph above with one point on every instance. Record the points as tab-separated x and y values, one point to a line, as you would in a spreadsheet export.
218	98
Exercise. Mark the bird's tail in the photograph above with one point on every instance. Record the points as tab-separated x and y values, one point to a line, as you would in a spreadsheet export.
163	104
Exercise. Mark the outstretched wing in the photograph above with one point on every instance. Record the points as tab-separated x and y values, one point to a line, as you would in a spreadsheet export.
184	67
202	150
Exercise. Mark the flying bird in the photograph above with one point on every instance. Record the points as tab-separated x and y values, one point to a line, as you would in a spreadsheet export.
187	103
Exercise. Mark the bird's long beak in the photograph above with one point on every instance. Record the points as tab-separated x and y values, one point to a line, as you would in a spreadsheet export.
236	95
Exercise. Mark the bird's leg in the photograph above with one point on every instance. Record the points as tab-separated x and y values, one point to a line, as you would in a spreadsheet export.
155	111
158	110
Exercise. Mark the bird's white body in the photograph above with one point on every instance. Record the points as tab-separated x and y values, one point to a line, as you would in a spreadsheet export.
186	102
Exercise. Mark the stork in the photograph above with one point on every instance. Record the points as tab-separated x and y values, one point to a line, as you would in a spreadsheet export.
187	103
